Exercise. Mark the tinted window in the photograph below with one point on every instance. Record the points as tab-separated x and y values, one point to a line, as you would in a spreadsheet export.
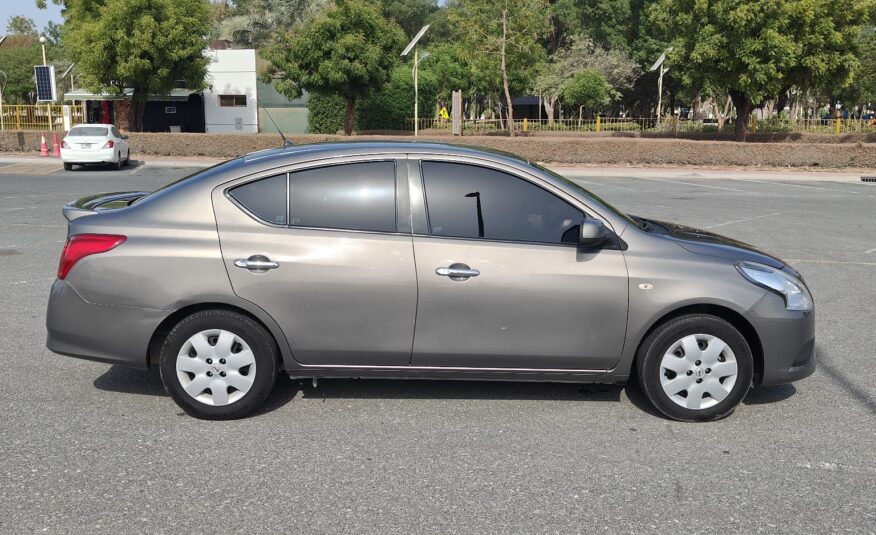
358	196
265	198
475	202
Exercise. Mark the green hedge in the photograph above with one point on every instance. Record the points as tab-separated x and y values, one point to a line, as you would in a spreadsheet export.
386	109
325	114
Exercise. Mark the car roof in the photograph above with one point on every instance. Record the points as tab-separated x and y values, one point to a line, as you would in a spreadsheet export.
92	124
345	148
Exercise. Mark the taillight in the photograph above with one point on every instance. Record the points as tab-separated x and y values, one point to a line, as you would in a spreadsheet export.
82	245
64	144
109	144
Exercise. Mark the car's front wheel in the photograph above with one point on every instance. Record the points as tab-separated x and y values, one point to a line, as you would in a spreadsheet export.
695	368
218	364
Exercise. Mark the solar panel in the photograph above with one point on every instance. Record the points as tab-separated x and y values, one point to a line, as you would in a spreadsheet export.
45	83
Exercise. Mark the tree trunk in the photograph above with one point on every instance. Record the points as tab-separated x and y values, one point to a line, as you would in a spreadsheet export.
782	100
743	112
505	73
137	113
549	104
350	116
697	105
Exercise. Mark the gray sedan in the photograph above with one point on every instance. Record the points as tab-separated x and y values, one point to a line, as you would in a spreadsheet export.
416	260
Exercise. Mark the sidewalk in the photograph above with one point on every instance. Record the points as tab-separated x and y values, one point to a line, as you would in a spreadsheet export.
575	171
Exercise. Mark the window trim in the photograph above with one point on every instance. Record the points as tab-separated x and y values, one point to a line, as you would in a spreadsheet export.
234	103
307	166
430	234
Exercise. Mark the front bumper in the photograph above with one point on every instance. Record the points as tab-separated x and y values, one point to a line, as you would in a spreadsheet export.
787	339
89	156
114	334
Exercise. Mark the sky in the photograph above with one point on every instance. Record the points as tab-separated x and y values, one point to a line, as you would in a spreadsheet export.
28	8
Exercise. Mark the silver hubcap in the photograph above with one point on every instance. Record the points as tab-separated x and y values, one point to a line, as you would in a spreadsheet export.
216	367
698	371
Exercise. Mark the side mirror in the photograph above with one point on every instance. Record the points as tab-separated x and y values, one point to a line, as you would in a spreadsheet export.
592	233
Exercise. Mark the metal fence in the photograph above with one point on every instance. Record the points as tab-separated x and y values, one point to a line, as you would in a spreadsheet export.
671	125
40	117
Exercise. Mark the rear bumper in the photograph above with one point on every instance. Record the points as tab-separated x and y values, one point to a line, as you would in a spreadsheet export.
89	156
118	335
787	338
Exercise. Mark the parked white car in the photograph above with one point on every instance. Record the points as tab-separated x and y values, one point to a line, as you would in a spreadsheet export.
95	144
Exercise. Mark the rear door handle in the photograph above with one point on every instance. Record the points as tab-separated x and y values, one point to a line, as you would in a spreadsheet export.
256	263
457	272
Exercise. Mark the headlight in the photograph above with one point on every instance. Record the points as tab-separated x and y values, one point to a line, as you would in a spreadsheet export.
793	290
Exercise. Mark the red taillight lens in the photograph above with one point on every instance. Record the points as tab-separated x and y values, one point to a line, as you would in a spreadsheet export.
109	144
64	144
82	245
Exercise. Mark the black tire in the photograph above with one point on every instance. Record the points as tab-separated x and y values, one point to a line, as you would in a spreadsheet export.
662	339
127	160
68	166
117	165
260	342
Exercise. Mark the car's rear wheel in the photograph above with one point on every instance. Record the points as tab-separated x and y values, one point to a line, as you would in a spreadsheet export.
68	166
118	163
218	365
695	368
127	161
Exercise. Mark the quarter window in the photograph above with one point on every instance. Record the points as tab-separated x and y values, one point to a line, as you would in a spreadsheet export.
265	198
357	196
468	201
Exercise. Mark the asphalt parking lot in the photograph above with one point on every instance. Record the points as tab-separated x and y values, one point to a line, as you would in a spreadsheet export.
88	447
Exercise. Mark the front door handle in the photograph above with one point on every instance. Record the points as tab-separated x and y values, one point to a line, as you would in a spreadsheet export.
457	272
257	263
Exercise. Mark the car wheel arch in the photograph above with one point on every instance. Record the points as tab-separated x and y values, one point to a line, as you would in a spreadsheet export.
167	324
729	315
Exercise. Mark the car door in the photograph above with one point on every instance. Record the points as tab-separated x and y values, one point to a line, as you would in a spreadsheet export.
320	249
502	282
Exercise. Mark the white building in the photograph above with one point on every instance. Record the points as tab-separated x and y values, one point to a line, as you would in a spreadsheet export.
230	100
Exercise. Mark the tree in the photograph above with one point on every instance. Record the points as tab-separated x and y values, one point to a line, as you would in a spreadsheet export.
501	37
582	53
254	23
756	49
587	89
145	45
348	49
389	107
17	62
20	25
411	15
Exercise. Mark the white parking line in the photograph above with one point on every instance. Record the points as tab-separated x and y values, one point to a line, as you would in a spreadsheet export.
802	186
698	185
137	169
744	220
31	281
873	250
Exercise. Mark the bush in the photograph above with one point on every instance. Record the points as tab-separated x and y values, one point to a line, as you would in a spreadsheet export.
325	113
391	106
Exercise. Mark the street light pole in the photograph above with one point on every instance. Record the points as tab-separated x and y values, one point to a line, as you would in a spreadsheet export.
413	46
48	104
2	88
660	63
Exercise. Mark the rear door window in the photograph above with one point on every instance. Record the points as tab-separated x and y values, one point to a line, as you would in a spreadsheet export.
265	198
469	201
354	196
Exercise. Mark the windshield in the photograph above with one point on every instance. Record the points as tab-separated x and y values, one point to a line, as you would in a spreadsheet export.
585	191
99	131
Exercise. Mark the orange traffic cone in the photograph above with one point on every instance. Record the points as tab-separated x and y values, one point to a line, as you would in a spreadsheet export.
56	146
44	150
